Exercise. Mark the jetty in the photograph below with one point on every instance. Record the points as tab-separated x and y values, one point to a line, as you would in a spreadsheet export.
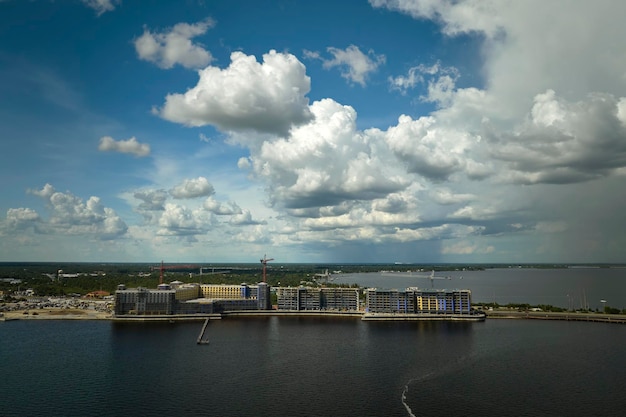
201	340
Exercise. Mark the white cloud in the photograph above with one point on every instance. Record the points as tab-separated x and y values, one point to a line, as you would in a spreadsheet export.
20	218
446	231
221	209
173	47
151	201
475	213
69	215
403	83
192	188
45	193
421	74
247	96
355	65
446	197
325	162
455	16
363	217
428	148
101	6
131	146
244	219
177	220
563	142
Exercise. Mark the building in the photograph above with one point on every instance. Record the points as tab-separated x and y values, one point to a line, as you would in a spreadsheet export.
212	299
309	298
142	301
186	292
415	301
224	292
191	299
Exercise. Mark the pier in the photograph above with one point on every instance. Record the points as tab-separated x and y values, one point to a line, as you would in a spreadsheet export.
201	340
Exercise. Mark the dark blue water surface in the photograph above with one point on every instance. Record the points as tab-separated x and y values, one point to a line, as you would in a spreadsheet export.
312	367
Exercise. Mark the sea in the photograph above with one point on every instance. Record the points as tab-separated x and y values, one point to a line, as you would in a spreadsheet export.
290	366
571	288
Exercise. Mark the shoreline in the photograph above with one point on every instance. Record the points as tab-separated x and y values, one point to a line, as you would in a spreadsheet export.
563	316
88	314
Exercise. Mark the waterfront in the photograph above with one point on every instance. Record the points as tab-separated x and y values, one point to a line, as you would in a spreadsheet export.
311	367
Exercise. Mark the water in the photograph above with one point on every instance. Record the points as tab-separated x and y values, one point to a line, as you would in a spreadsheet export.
312	367
333	367
568	288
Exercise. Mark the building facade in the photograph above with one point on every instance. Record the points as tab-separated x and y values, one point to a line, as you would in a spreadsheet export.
142	301
415	300
185	299
308	298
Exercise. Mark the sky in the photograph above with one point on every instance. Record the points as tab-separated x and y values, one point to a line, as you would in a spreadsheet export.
414	131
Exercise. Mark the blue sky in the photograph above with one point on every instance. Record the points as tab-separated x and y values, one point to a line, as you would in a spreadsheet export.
356	131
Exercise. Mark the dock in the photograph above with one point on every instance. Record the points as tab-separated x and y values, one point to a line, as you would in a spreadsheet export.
201	340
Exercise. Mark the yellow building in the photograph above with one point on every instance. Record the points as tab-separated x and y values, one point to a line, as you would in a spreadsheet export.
186	292
225	292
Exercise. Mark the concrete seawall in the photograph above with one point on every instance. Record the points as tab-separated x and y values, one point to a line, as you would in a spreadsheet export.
360	315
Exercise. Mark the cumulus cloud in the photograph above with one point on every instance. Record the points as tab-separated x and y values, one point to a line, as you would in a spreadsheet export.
45	193
21	218
71	215
131	146
177	220
221	209
429	149
174	46
355	65
325	162
189	221
268	97
364	216
436	76
192	188
445	231
244	219
151	200
101	6
550	113
563	142
542	116
455	16
445	196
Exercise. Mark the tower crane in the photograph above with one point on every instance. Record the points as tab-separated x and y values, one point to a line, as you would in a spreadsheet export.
264	261
163	267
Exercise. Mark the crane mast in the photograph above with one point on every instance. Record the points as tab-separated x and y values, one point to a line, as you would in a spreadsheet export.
264	262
